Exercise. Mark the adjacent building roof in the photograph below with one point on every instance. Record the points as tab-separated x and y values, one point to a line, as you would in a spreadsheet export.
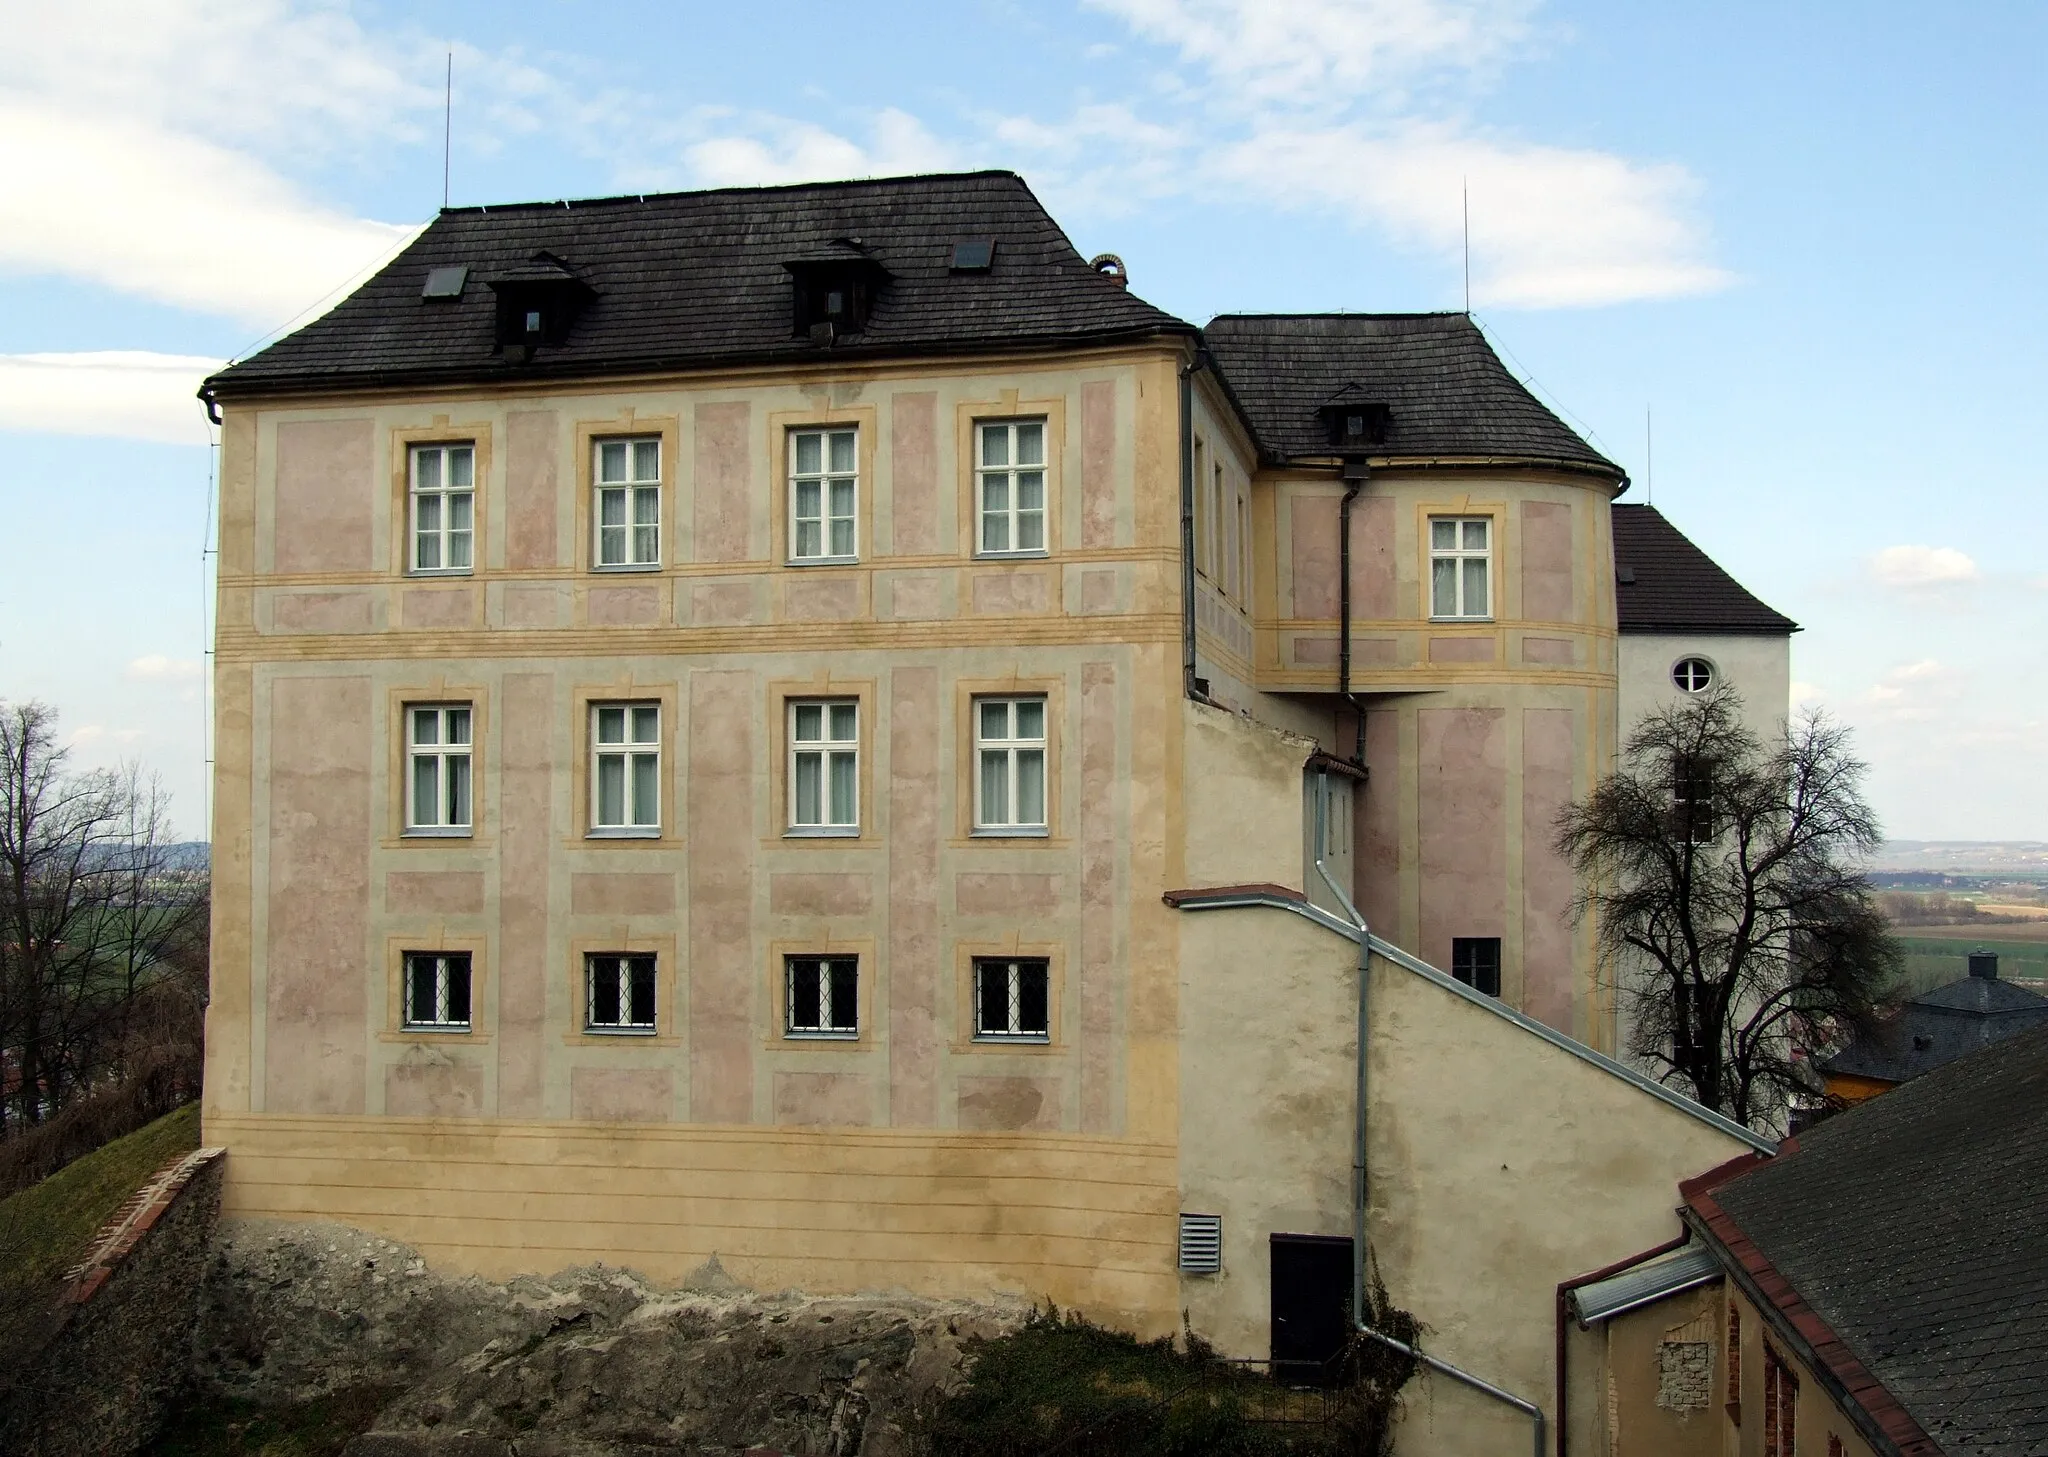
1448	392
696	279
1906	1243
1663	583
1940	1026
1641	1285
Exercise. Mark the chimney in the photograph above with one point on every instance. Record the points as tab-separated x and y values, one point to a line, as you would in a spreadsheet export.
1984	964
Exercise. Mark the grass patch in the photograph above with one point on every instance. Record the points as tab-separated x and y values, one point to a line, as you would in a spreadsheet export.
1935	960
44	1229
241	1429
1059	1383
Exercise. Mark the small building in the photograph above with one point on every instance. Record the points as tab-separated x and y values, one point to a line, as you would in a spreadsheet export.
1879	1288
1934	1028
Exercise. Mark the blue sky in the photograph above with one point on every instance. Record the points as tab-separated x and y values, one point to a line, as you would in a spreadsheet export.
1804	240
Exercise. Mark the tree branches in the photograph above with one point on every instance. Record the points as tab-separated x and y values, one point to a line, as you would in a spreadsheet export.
1722	877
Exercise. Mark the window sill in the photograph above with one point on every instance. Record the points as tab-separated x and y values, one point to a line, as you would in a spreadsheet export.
822	561
623	832
1466	621
618	1031
433	1030
822	832
439	832
612	569
1011	832
821	1036
430	572
1012	556
1012	1039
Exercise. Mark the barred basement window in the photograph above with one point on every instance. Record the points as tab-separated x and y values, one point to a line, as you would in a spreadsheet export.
437	991
1475	961
1201	1243
821	996
1011	1001
618	993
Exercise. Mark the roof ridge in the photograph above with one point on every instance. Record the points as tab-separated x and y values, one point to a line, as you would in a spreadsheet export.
619	198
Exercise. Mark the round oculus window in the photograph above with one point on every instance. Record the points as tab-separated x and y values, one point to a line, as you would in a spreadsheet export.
1693	675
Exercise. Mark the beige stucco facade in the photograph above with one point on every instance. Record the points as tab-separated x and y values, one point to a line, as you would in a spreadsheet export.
1758	666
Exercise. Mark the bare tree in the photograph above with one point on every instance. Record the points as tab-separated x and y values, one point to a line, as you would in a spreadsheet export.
101	932
1723	876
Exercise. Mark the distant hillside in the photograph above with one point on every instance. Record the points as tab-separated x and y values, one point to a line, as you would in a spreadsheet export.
1995	859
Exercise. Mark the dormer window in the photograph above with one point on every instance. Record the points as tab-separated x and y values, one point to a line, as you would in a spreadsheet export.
834	289
1353	422
538	302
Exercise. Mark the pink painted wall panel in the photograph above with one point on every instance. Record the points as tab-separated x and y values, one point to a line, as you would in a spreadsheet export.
1547	561
1098	463
1372	559
622	893
820	895
532	490
722	965
987	893
1315	556
724	519
914	472
1099	1000
1462	765
525	784
621	1095
444	607
427	1090
434	892
913	949
1000	1104
325	495
1547	882
1376	827
828	1100
635	606
319	896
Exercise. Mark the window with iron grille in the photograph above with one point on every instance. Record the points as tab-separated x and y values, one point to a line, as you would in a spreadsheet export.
1012	999
824	488
1692	800
627	503
821	996
1460	567
618	992
824	767
1475	961
1201	1243
443	507
1010	750
1010	477
437	786
437	991
625	768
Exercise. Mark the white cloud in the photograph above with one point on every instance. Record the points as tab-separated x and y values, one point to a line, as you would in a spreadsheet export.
1922	566
770	149
1920	692
87	735
1804	694
127	393
156	668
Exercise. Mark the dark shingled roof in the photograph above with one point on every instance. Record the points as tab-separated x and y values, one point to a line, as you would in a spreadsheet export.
1663	583
693	279
1940	1026
1448	391
1916	1227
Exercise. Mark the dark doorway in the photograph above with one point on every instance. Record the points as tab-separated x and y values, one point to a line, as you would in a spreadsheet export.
1311	1304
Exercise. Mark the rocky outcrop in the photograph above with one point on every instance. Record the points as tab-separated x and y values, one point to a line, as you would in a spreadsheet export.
591	1361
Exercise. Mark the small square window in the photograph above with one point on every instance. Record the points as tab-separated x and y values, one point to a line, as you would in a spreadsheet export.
824	491
1012	999
618	993
821	996
443	508
1475	961
625	769
1010	487
1460	567
437	991
627	502
1010	758
824	767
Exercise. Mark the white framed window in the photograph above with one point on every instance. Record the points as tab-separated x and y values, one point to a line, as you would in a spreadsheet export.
824	767
1009	779
618	992
1460	567
821	996
437	991
1692	675
1010	487
437	781
824	493
1012	999
625	768
627	503
443	507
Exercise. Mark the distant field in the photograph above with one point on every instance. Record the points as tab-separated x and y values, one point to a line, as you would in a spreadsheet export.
1936	954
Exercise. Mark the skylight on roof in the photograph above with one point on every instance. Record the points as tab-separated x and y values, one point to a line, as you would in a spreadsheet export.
445	282
976	255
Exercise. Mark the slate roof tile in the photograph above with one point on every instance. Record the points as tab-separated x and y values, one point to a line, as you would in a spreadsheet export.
693	279
1448	391
1663	583
1916	1226
1939	1026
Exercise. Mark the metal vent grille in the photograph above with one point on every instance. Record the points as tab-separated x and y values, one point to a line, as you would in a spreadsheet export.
1201	1243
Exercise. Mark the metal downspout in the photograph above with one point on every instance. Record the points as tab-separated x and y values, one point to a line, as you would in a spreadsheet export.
1358	1146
